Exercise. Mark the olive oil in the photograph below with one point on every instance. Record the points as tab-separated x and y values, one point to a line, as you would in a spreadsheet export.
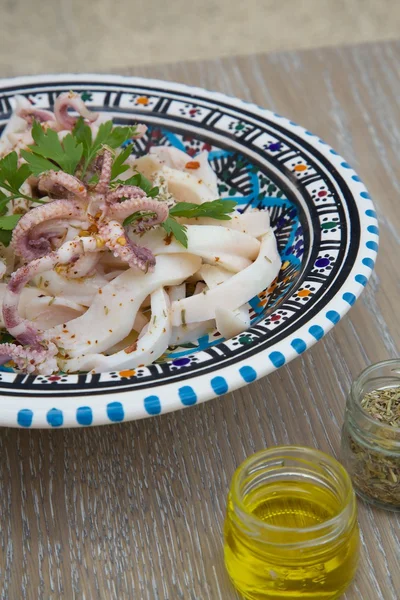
284	539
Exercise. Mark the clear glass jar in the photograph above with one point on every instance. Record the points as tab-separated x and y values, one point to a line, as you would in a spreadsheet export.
291	526
371	449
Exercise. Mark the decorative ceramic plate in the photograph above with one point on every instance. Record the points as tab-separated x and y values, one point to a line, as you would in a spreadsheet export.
323	219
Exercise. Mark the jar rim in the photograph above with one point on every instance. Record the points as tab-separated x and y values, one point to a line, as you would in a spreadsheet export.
310	453
354	395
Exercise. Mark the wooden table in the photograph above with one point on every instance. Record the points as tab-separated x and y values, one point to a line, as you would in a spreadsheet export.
136	510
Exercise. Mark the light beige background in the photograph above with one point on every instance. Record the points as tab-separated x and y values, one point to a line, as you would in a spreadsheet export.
38	36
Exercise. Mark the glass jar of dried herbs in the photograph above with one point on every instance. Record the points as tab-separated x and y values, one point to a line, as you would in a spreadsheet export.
371	434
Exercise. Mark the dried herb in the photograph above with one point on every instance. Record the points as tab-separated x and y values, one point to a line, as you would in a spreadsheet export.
374	456
383	405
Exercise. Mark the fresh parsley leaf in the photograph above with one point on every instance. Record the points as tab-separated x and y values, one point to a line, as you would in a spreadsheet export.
8	166
7	225
138	215
5	237
8	222
73	154
172	227
20	176
12	177
120	135
63	155
141	181
10	172
83	135
37	164
118	166
107	135
102	136
217	209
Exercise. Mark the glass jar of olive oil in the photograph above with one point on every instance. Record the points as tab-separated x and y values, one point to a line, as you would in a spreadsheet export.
291	526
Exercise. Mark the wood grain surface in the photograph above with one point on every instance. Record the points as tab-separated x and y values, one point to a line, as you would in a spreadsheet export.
135	511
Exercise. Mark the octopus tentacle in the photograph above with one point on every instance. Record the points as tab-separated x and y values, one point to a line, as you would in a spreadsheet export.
60	183
39	359
105	174
23	330
71	100
83	267
36	114
121	211
23	239
125	191
121	246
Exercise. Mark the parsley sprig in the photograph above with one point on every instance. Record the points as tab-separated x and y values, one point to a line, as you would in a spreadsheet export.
11	179
48	153
217	209
107	135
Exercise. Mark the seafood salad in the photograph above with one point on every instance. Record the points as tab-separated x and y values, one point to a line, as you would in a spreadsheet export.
107	259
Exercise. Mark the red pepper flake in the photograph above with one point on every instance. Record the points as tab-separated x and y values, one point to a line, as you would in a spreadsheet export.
168	239
192	164
130	348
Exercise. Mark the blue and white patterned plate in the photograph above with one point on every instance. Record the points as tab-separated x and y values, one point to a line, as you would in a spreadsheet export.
323	219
